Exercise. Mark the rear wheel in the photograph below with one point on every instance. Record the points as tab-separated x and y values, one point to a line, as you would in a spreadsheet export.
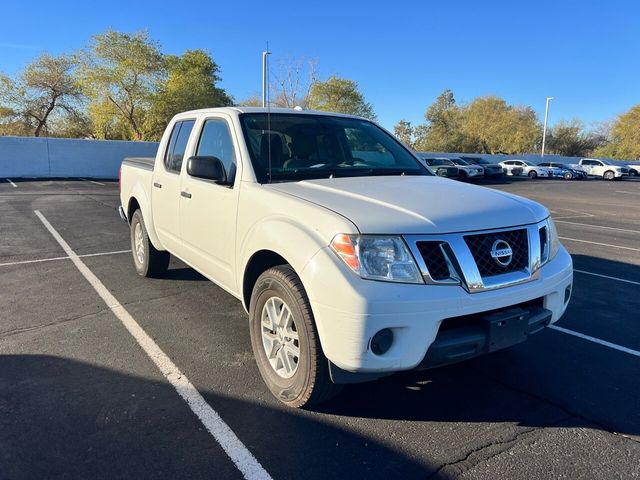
609	175
533	174
285	341
149	261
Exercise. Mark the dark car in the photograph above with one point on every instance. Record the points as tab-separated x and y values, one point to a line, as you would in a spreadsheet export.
442	167
564	171
491	170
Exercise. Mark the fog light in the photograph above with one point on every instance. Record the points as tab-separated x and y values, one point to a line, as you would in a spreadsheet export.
381	341
567	293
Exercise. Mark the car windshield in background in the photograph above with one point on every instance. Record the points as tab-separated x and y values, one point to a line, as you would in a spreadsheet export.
299	147
477	161
459	161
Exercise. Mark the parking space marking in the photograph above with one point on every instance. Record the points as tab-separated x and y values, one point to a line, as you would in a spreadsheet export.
12	184
221	432
607	277
629	193
40	260
91	181
601	244
615	346
597	226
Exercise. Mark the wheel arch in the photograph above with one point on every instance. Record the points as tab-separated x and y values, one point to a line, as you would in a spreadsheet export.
259	262
139	200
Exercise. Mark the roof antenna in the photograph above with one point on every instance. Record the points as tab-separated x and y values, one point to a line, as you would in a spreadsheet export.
266	101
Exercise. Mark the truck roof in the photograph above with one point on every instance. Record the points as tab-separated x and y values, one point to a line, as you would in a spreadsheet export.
237	110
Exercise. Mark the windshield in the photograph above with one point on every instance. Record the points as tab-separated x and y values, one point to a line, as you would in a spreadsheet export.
300	147
459	161
531	164
477	161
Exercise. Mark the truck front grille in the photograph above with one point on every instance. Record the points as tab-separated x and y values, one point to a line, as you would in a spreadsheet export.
434	259
482	244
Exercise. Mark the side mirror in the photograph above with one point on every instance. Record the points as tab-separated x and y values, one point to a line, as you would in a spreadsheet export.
209	168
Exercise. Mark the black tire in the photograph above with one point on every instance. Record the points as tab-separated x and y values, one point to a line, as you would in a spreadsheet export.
633	173
567	176
609	175
155	262
533	174
311	383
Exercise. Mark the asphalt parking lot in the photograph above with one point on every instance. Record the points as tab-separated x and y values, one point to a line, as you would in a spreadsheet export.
80	398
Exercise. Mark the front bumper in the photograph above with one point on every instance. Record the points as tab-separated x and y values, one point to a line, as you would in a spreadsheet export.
349	311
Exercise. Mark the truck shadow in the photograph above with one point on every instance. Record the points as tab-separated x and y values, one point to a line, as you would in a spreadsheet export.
61	418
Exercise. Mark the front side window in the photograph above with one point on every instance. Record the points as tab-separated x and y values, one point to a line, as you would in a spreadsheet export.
290	147
215	141
178	145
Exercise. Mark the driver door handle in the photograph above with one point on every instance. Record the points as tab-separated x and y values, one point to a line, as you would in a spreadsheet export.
157	185
185	194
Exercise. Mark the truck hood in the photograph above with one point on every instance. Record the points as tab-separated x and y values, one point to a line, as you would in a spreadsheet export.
415	204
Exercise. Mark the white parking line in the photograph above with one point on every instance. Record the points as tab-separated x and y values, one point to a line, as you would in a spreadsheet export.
607	277
235	449
598	243
629	193
23	262
91	181
620	348
597	226
12	184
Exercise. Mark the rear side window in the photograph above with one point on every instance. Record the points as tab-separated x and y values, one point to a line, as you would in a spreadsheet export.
215	141
177	145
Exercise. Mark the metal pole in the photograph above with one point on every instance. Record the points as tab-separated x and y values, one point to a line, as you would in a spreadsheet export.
265	66
544	130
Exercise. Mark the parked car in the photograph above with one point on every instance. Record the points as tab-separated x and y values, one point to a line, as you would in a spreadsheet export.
634	169
352	260
443	167
467	171
525	167
562	170
491	170
595	167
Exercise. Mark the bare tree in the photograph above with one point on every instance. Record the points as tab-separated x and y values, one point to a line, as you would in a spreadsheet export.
292	81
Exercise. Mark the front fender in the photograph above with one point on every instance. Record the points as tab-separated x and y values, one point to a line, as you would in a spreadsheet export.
293	241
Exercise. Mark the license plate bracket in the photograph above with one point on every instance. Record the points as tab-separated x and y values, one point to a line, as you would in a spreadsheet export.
507	328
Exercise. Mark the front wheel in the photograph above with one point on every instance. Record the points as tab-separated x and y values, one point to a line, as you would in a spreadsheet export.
609	175
533	174
149	261
285	341
567	176
633	173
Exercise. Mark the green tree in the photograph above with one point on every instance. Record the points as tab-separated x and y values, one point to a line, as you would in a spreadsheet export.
442	132
120	74
625	137
190	84
493	126
339	95
46	89
404	132
571	139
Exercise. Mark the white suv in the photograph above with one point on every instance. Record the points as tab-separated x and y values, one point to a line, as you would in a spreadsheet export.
525	167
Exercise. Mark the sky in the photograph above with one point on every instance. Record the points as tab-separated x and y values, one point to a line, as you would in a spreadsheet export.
402	54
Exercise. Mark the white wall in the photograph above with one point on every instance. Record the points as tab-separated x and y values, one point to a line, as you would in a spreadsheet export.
64	157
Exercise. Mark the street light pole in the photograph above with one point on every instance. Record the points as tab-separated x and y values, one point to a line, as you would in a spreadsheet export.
544	130
265	67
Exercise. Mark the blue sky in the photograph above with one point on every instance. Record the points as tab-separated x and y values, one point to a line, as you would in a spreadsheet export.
402	54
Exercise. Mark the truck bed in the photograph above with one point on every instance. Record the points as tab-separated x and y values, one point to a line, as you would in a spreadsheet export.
145	163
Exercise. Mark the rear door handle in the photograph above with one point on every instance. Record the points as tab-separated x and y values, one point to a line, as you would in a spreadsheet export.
157	185
185	194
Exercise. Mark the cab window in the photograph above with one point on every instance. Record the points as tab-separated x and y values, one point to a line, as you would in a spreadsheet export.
215	141
177	147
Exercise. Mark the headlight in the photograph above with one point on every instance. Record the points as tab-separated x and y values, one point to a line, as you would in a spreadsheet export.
377	257
554	241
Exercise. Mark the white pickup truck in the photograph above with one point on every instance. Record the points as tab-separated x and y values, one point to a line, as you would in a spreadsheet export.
351	258
595	167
